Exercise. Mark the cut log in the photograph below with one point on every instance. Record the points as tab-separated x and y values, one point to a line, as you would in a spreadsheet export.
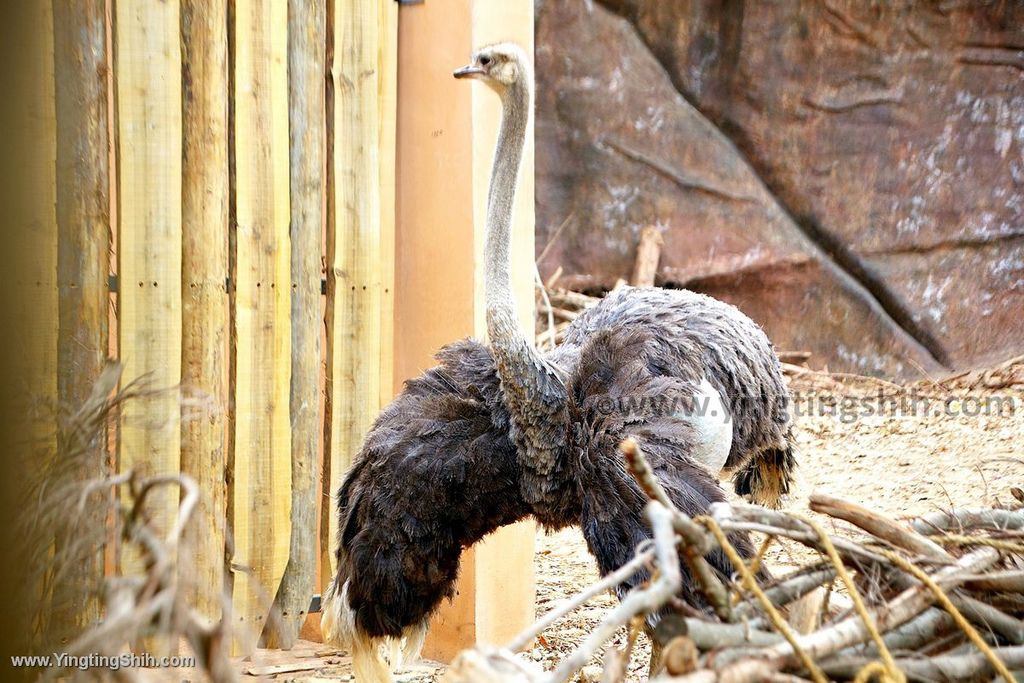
570	299
358	242
81	63
149	252
964	667
968	518
879	526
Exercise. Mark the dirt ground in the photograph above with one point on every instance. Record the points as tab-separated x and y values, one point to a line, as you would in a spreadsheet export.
956	444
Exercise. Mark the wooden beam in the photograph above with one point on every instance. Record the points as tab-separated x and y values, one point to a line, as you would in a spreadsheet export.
387	107
446	138
359	243
261	496
29	197
34	215
307	52
204	267
148	73
83	230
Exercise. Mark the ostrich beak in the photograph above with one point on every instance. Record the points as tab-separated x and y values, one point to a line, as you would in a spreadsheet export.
468	71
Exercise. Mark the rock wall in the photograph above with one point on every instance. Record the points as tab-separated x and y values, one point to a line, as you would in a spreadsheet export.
850	174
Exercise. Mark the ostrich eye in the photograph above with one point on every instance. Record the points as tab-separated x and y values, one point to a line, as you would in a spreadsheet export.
485	61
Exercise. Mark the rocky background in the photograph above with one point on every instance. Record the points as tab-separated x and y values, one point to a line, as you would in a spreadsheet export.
849	173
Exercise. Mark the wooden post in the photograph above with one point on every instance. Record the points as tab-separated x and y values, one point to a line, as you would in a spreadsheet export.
34	216
261	496
446	137
387	105
148	72
307	50
29	197
204	267
359	243
83	228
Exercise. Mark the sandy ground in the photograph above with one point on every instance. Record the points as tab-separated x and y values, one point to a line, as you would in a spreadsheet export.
914	461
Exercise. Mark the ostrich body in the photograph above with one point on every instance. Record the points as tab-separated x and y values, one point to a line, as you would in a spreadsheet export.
436	472
738	408
495	434
439	470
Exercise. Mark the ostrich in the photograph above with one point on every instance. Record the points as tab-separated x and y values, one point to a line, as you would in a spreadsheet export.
492	435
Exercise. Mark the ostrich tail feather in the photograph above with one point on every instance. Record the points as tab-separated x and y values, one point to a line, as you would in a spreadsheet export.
370	664
367	664
412	642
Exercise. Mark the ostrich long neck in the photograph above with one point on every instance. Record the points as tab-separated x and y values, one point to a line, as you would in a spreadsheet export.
502	322
535	395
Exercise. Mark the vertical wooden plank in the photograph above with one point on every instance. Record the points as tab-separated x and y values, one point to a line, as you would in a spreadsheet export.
29	198
363	215
148	73
307	52
261	520
388	111
204	267
35	216
83	228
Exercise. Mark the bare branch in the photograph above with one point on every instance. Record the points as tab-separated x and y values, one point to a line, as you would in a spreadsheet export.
609	582
639	601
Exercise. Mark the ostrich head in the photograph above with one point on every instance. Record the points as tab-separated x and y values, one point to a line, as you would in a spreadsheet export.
500	66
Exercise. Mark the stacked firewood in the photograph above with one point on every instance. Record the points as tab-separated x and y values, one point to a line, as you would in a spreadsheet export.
940	598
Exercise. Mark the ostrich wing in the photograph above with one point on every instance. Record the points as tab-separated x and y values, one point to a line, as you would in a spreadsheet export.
693	336
617	391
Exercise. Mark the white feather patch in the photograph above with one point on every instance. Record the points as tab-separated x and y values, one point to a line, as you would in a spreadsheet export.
712	426
373	659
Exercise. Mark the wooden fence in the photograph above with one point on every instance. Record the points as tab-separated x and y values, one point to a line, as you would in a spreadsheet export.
221	219
218	212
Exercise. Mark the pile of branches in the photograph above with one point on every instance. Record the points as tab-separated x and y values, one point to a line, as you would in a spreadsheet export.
938	599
